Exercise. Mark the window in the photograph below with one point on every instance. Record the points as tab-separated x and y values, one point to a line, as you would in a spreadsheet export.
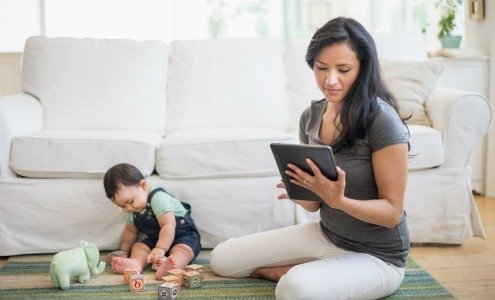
164	20
18	21
169	20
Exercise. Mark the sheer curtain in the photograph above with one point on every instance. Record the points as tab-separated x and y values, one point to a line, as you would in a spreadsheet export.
169	20
163	20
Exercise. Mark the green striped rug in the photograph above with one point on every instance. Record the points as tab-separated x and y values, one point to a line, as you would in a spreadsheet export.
27	277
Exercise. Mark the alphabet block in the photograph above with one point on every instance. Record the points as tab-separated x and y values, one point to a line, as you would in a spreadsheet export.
192	279
171	278
136	283
168	291
197	268
179	273
128	272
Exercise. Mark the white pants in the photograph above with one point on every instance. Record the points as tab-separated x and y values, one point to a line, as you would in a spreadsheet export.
323	271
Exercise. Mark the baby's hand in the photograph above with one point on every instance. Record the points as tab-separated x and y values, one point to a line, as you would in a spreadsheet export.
156	265
155	255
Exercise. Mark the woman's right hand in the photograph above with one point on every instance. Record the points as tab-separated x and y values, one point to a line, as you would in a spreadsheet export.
310	206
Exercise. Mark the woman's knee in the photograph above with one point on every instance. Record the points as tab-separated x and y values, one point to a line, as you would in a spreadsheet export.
292	286
227	260
218	259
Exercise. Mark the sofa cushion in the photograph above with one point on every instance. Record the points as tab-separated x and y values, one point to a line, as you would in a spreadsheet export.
225	83
116	84
81	154
219	152
426	147
411	83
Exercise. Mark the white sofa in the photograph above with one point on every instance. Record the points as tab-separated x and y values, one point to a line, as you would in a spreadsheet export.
197	117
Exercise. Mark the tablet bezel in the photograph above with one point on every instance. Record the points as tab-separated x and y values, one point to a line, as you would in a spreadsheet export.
296	154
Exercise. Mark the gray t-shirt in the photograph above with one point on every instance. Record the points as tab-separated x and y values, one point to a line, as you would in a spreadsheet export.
345	231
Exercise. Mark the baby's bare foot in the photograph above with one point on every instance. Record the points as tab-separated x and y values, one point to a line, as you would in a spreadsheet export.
119	264
166	265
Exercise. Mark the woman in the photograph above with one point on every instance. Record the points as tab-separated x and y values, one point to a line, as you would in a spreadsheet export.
359	247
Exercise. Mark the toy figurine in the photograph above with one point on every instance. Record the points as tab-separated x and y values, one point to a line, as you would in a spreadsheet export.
79	262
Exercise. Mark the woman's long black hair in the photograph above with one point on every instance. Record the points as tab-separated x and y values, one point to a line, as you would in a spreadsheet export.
360	103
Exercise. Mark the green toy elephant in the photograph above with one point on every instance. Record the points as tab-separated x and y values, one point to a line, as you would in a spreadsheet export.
78	262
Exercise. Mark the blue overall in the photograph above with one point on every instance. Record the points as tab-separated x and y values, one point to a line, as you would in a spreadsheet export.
185	229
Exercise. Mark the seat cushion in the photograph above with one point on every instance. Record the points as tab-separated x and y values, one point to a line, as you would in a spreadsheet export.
226	82
219	152
116	84
426	147
81	154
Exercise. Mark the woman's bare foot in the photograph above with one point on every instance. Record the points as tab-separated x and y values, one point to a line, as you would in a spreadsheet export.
119	264
271	273
167	264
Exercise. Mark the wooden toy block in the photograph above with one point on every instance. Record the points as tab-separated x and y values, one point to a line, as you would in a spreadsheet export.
171	278
179	273
197	268
192	279
136	283
128	272
168	291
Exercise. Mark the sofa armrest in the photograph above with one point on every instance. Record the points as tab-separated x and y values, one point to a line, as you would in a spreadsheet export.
19	114
463	118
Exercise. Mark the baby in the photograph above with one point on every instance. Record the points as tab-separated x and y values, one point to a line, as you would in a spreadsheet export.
172	239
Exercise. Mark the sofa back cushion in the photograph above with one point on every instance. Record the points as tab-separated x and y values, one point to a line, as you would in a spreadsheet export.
411	83
301	83
97	84
226	83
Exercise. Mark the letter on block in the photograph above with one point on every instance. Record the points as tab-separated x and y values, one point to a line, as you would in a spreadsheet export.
192	279
197	268
137	283
168	291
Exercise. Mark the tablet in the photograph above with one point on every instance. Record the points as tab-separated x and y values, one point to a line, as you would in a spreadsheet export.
296	154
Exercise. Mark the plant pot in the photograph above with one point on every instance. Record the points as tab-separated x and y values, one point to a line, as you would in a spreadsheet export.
449	41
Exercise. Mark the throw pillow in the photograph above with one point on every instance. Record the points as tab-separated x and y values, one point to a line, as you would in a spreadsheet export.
411	83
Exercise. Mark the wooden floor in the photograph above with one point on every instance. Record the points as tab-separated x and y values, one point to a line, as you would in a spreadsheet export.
467	271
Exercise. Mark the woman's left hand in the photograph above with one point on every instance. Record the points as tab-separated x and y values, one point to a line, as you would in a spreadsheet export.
332	192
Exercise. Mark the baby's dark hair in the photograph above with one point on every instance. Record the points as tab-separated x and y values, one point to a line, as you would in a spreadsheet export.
124	174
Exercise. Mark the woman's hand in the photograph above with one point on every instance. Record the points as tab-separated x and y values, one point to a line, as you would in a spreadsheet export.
332	192
310	206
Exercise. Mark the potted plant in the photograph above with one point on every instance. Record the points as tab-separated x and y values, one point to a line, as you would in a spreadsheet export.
448	11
